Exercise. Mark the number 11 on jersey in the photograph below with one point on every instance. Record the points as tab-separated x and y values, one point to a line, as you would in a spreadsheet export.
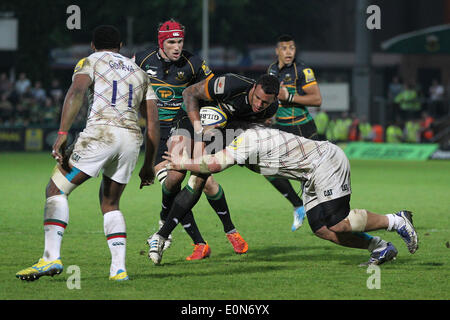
114	95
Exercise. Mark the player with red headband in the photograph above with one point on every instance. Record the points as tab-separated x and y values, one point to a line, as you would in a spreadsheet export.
172	69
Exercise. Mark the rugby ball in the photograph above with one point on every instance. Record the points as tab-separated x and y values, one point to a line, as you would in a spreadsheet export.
213	116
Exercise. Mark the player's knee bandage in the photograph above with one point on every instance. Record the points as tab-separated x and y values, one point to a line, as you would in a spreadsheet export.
191	181
62	182
357	219
162	175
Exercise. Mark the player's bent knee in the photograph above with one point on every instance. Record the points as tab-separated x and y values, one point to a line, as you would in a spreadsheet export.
357	219
62	182
196	182
211	186
173	179
323	233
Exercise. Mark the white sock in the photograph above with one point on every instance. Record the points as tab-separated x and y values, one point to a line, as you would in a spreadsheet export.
56	218
395	222
115	232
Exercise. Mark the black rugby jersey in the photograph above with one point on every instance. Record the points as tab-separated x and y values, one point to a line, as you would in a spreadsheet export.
169	79
295	77
230	92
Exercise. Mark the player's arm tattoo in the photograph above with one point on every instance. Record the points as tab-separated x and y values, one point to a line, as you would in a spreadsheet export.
191	97
194	93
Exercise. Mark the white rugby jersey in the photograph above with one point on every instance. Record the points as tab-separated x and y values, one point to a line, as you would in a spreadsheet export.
117	90
272	152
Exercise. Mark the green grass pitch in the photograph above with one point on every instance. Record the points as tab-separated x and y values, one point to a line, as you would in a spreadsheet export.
280	264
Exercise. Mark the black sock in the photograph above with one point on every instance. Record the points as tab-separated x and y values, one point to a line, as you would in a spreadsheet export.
183	203
220	206
167	199
285	188
190	226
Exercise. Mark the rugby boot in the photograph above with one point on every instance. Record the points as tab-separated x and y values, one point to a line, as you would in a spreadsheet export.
168	241
121	275
382	255
407	231
39	269
240	246
299	216
156	243
201	251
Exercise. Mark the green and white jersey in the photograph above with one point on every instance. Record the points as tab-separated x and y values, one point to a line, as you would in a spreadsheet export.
296	77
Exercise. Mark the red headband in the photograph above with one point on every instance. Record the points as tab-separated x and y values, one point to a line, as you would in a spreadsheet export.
169	29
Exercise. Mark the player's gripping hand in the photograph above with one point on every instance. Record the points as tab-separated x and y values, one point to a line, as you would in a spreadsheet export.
176	161
283	95
147	175
59	147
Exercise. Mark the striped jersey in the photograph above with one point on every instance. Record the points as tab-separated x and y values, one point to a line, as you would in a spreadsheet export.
117	90
170	78
272	152
296	77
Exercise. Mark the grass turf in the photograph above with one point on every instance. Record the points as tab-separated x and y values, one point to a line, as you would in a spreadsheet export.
280	264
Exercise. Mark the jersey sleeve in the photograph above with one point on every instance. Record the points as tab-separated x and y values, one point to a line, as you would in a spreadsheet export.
84	66
225	86
202	70
306	77
244	147
150	94
137	58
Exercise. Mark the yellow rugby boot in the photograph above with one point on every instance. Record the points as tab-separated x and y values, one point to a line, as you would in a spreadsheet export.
39	269
121	275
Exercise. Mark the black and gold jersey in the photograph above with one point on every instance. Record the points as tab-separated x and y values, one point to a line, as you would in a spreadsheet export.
169	79
230	92
296	77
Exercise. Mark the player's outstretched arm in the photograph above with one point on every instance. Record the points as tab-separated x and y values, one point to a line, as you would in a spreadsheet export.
204	164
72	105
191	97
147	173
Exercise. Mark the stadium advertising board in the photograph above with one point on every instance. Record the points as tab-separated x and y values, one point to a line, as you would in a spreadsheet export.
391	151
11	139
33	140
335	96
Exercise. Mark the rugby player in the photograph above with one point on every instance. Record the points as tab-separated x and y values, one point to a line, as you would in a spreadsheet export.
241	99
299	90
324	171
171	69
111	142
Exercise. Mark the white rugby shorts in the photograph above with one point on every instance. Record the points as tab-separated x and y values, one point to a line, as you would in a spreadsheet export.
113	149
330	180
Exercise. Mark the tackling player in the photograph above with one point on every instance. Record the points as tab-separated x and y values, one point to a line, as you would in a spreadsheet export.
171	70
324	171
110	142
299	90
241	99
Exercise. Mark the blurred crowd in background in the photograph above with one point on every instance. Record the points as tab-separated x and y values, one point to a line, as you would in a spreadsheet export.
24	103
411	111
347	127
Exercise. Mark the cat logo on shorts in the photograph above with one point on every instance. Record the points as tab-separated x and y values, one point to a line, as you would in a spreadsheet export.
165	94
